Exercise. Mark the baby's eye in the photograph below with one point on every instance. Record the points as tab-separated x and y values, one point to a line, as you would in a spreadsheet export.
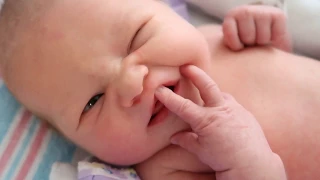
92	102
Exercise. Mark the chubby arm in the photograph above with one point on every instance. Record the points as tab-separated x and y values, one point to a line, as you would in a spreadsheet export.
251	25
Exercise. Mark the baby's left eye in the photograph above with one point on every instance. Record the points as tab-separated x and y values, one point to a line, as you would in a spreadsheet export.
92	102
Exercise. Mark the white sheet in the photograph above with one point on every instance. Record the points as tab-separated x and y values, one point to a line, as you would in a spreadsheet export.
303	21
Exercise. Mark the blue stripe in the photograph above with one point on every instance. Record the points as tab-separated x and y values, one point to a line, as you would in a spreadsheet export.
8	109
58	150
22	150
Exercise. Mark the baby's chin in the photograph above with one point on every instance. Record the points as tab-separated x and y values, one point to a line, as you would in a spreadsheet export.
129	157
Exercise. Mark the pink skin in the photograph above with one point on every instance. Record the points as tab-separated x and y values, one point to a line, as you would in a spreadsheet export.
87	59
224	135
256	25
202	141
81	57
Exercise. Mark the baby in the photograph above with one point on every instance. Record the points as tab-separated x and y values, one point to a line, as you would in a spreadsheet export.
91	69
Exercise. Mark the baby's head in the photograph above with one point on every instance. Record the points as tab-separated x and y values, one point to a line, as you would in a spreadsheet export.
91	69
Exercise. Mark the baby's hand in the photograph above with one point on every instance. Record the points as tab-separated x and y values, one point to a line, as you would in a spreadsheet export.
250	25
224	134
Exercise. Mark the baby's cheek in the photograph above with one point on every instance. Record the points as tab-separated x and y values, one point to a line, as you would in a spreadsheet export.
121	149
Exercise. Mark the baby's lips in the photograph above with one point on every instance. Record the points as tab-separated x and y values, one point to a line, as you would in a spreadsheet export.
176	87
157	108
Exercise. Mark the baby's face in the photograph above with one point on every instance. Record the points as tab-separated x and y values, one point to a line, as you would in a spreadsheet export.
92	67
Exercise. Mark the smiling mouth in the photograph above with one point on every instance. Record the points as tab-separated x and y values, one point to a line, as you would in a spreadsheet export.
159	109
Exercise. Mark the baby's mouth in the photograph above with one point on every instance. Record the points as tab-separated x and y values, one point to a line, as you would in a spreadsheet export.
159	106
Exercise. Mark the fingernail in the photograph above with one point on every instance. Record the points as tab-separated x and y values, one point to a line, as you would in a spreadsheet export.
160	89
174	141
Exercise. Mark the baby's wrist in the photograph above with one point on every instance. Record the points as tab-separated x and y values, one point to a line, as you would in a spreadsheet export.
268	166
278	167
264	166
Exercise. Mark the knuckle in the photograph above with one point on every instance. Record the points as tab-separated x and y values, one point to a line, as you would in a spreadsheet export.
226	108
263	40
280	16
248	38
244	12
224	113
167	96
203	121
227	26
240	11
211	86
185	104
262	16
215	116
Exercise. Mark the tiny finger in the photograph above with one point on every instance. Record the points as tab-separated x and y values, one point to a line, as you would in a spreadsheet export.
231	34
280	35
209	90
263	26
247	28
187	140
184	108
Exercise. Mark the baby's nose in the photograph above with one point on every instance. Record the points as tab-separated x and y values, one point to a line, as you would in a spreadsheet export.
130	85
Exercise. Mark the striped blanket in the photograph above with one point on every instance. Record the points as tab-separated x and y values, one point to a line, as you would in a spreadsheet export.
28	147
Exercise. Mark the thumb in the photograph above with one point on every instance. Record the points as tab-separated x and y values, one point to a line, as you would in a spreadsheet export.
187	140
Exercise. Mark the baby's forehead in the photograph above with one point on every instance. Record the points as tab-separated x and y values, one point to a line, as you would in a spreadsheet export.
64	39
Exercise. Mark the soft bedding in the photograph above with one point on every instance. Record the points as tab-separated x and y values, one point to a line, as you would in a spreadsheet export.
28	147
